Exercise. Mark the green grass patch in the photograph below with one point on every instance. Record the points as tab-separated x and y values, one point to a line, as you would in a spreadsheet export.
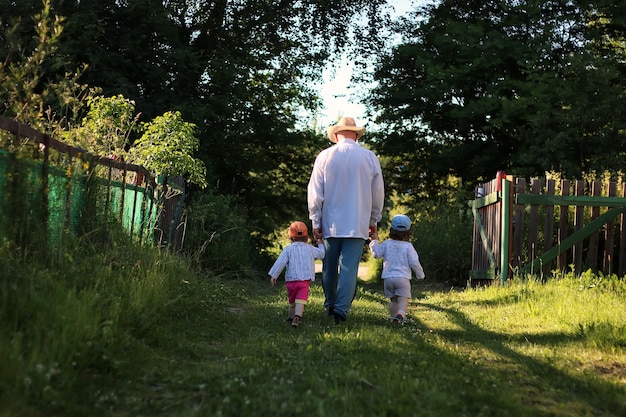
129	331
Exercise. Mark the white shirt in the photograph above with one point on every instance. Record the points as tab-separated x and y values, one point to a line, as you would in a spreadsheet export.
400	258
346	191
299	258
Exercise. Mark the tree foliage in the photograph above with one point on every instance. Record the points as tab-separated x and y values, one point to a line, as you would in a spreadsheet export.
107	127
241	71
167	146
33	82
479	86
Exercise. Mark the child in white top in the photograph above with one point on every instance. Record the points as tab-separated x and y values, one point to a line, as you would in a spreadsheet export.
299	259
400	257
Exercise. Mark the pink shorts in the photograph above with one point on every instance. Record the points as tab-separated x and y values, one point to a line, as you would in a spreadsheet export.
297	291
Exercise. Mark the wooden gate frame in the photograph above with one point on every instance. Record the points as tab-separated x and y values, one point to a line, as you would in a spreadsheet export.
500	196
617	204
503	195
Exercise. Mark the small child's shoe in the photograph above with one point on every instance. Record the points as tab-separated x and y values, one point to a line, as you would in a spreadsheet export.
399	319
296	321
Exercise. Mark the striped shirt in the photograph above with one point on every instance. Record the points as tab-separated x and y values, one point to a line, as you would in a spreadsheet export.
299	259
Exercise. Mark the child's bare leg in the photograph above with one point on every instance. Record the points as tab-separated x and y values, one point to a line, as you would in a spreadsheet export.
298	311
393	306
403	304
299	308
291	311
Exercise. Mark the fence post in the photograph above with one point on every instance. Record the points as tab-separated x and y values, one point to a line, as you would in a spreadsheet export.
505	229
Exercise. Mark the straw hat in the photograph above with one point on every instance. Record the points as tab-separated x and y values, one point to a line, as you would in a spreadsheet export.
345	123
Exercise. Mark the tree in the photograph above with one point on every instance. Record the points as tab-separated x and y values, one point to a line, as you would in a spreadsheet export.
30	90
107	127
241	71
482	86
167	147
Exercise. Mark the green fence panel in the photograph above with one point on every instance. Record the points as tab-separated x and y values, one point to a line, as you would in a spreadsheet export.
22	210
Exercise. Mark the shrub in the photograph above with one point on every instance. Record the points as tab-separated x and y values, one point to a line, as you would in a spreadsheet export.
443	239
218	234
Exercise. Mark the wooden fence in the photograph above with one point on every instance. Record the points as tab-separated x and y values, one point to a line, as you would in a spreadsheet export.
543	225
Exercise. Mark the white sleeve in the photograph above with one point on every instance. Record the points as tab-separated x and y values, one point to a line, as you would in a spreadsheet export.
315	194
414	263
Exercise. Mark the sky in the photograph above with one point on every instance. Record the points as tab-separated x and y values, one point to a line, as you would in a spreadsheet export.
337	92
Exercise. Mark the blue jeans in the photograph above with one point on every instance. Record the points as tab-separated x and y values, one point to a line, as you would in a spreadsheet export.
339	272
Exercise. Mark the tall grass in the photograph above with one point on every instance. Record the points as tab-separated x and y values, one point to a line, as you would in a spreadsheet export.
219	234
67	326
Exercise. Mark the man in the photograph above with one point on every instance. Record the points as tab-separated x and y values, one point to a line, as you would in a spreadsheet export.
345	199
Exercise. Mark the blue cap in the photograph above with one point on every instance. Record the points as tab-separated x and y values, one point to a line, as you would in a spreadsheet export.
401	222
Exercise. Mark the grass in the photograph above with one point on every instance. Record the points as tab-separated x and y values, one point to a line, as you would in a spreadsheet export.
133	332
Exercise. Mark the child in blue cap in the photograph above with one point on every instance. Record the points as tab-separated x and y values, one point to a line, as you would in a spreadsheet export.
399	259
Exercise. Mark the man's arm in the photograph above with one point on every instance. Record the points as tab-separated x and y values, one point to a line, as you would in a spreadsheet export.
315	196
378	195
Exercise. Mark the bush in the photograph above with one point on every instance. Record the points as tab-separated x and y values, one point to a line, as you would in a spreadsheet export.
443	239
218	235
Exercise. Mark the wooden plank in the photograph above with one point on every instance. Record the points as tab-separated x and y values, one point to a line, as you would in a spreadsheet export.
533	220
492	221
592	245
574	239
485	201
477	251
505	231
485	238
563	226
518	225
548	228
609	236
622	239
580	200
577	255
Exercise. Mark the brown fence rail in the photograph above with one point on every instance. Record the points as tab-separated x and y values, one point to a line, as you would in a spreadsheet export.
544	225
46	182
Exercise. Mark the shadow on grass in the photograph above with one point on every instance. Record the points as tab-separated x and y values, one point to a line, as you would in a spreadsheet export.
587	394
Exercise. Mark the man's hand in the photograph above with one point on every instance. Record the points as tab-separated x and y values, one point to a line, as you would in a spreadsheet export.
317	234
372	233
